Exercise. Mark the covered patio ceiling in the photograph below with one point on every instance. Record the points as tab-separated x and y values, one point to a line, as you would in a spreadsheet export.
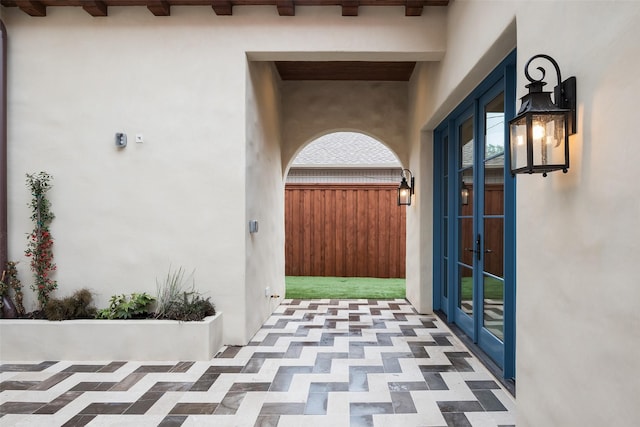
345	70
220	7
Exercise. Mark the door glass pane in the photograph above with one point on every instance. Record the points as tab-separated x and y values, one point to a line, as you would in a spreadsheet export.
494	126
445	235
465	195
445	196
493	246
445	278
467	242
466	143
465	290
445	154
493	315
494	186
445	215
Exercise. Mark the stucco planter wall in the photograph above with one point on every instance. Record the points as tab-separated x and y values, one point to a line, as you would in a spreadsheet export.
33	340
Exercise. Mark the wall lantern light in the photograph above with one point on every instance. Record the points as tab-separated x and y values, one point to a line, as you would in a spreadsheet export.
539	134
406	190
464	194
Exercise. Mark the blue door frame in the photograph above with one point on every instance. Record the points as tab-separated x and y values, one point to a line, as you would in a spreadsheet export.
448	213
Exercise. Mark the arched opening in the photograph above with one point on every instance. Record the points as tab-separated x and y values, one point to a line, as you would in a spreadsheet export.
342	219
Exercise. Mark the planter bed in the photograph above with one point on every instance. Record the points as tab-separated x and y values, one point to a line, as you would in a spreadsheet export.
102	340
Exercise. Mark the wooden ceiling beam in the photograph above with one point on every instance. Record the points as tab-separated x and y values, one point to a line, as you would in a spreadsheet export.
32	7
222	7
413	8
286	7
159	8
345	70
95	8
350	7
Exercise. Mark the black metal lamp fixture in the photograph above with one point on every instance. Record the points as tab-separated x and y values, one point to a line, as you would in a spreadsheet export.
539	134
464	194
405	191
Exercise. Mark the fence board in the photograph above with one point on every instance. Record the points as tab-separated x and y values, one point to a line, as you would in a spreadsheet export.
344	230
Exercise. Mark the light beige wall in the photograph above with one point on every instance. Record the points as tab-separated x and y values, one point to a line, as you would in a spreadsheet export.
420	214
264	197
124	216
578	241
311	109
578	351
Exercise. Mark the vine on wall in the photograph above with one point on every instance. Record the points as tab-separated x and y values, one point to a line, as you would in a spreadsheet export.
40	242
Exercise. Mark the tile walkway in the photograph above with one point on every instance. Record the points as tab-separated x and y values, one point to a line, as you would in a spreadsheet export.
313	363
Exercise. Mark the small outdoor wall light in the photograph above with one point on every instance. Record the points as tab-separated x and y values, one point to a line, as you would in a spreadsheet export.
464	194
405	191
539	134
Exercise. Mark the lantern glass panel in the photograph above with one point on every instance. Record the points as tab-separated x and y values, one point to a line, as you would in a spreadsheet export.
404	196
519	143
548	133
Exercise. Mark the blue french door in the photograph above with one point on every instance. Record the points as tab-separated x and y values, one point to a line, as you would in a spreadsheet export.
474	254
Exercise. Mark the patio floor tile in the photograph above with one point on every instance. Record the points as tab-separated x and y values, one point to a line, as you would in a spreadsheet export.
315	362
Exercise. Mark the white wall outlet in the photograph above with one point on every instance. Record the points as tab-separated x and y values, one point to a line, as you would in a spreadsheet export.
267	292
139	138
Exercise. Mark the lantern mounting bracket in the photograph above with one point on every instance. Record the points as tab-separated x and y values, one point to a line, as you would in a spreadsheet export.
564	93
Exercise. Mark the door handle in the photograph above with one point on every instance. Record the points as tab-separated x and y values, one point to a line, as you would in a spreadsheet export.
477	250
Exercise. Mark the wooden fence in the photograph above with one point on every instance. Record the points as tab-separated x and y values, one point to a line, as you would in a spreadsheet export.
344	230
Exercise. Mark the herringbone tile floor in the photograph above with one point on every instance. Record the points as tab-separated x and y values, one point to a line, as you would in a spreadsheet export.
313	363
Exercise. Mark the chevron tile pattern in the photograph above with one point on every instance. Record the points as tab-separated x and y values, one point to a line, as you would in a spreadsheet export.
313	363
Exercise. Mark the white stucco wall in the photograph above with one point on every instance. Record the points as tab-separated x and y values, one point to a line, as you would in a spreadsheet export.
264	197
419	283
578	235
578	346
124	216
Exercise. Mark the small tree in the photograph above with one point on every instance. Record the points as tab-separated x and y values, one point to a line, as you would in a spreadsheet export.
40	242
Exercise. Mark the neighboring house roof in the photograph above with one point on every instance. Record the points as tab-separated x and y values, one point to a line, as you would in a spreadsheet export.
345	149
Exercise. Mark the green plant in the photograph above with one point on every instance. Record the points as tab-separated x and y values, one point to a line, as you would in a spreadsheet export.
170	289
10	281
177	300
40	244
121	307
77	306
190	306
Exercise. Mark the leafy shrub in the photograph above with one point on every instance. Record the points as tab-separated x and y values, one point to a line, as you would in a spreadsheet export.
179	301
121	307
191	306
77	306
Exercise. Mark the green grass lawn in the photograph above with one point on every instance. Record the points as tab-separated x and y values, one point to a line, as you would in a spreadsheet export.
311	287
